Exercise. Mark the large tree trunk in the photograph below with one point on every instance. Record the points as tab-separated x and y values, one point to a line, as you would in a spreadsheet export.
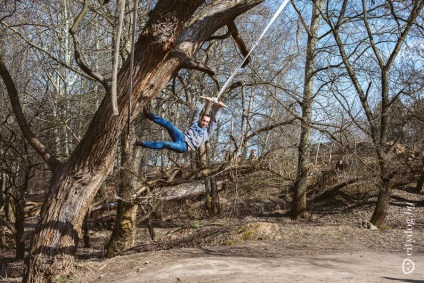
299	209
162	49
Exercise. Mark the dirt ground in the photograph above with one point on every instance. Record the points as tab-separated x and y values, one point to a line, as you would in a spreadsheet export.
304	253
331	246
252	262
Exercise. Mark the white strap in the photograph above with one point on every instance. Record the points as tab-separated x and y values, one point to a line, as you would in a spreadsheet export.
283	5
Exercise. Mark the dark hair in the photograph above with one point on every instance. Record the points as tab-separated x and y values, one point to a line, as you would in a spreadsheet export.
206	115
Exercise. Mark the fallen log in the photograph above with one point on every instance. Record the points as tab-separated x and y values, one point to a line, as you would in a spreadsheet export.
183	191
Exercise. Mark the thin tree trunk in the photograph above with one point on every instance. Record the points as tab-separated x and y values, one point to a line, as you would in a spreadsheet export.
299	207
381	209
378	131
125	228
212	203
20	230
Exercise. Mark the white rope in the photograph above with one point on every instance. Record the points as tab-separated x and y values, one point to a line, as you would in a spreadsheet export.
134	25
283	5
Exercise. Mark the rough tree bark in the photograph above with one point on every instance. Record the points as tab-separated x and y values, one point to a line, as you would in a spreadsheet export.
165	45
125	228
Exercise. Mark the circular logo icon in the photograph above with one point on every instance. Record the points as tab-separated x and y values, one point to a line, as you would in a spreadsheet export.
408	266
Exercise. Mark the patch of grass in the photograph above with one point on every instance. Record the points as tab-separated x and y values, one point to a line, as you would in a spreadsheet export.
325	236
191	213
195	224
230	242
247	234
383	227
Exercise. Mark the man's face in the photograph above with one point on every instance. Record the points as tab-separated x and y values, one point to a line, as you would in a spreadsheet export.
204	122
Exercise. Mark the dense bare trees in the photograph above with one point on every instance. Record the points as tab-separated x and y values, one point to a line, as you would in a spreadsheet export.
330	70
376	48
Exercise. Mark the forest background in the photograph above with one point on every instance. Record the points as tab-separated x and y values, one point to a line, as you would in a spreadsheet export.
331	98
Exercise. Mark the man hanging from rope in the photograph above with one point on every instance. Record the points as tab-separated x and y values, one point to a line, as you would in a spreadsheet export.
199	132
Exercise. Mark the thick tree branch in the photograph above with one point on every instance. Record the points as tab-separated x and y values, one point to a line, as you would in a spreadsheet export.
207	21
239	41
41	149
193	65
233	31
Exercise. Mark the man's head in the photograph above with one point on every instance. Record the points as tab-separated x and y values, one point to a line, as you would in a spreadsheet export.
204	121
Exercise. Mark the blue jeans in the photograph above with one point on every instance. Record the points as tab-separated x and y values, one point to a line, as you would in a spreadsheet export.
178	143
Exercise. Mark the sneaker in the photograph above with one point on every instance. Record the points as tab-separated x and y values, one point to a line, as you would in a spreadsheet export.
137	142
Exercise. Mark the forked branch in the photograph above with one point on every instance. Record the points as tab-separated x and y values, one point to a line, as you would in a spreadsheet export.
234	33
193	65
77	49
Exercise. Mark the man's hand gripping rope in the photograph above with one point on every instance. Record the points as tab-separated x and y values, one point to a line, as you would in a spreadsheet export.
213	100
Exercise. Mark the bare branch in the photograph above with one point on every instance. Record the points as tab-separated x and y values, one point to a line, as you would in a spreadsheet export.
116	57
269	128
77	49
9	13
220	37
193	65
42	50
41	149
8	225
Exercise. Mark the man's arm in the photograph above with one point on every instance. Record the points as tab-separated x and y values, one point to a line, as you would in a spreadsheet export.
196	113
213	124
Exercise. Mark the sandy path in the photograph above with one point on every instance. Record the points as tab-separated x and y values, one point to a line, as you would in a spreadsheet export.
201	265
